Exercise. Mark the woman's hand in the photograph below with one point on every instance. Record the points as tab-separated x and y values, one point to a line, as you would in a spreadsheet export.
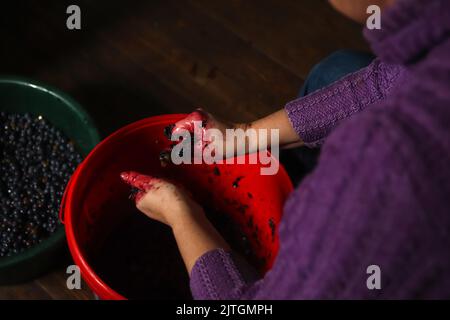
207	119
210	134
170	204
160	199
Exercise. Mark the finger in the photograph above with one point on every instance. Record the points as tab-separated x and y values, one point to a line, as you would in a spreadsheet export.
187	123
137	180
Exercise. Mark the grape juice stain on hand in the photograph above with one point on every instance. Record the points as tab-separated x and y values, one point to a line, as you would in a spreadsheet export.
196	138
164	157
187	123
140	184
168	131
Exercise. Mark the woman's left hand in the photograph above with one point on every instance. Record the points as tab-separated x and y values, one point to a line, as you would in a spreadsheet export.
165	202
161	200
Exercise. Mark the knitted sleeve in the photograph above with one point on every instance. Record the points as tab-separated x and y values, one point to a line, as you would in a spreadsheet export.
315	115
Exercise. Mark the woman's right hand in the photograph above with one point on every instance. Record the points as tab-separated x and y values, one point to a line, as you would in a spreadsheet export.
217	139
210	135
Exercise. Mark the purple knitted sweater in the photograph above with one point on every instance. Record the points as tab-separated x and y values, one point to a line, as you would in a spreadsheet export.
380	194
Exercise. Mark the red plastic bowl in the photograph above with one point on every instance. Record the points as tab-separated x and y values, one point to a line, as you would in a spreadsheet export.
95	196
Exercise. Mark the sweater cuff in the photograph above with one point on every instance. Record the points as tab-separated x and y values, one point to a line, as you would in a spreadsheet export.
218	274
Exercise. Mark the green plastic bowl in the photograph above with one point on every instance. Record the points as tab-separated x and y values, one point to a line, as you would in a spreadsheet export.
20	95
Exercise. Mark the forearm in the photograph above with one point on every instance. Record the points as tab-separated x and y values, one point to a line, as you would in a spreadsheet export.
276	121
207	255
195	236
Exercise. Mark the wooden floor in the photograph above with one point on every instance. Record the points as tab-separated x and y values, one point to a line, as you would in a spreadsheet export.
240	59
49	286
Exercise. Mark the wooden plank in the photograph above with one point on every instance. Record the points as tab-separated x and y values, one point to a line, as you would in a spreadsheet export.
54	284
49	286
193	56
201	59
115	90
295	33
26	291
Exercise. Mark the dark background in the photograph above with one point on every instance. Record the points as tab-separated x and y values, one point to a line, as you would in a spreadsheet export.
239	59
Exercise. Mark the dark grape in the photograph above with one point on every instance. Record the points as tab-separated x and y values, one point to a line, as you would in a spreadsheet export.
36	163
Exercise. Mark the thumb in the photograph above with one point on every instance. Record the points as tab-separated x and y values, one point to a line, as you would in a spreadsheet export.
187	123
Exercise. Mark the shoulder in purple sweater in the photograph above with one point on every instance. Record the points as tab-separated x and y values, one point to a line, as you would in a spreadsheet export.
380	193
